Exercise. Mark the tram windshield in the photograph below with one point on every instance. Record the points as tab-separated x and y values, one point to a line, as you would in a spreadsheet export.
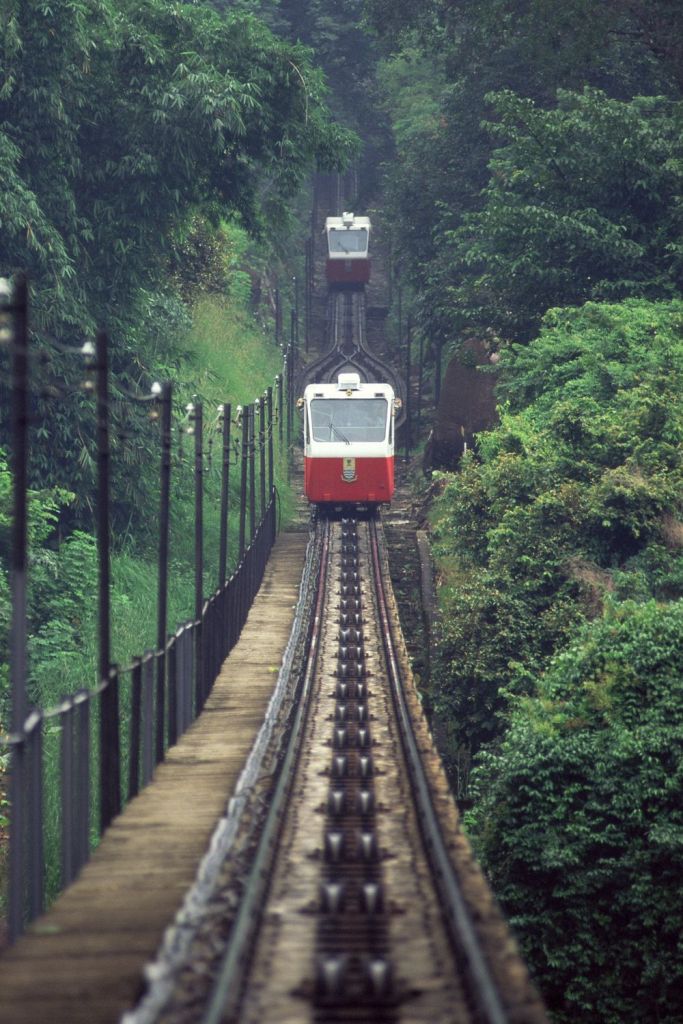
349	420
348	239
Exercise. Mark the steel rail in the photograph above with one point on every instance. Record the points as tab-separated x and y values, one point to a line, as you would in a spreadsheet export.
227	991
483	989
340	353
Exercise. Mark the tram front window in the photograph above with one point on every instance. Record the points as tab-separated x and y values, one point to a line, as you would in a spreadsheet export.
349	420
348	240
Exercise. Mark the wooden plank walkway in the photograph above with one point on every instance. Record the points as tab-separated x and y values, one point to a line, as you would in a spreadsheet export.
81	963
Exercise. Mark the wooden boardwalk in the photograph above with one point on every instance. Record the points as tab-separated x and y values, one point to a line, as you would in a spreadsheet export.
82	962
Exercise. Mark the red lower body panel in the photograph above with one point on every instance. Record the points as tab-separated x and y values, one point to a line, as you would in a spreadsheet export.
371	480
348	271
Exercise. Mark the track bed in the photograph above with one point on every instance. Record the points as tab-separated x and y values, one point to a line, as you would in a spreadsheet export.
361	902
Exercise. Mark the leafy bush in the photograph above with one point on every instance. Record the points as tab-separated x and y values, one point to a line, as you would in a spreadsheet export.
576	494
580	825
203	258
64	588
582	203
122	124
45	507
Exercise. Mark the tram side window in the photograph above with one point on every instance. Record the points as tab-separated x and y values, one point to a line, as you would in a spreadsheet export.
349	420
348	240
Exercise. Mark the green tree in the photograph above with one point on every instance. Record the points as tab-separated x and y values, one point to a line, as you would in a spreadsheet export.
531	47
121	120
576	495
659	26
583	202
580	826
160	108
348	54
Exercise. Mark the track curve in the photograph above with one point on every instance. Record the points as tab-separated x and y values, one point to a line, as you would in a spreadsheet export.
347	349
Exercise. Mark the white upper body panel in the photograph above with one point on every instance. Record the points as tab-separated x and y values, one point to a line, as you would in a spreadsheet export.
349	419
348	237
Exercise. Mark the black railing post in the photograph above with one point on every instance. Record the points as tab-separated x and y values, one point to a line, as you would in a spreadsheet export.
110	748
408	389
252	471
147	733
165	400
280	424
293	331
135	728
271	469
278	317
14	326
66	766
243	479
36	847
399	300
198	426
288	396
420	382
437	373
262	456
308	301
83	788
16	309
225	493
290	408
172	677
295	312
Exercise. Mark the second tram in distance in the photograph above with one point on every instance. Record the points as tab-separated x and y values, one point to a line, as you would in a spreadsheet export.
349	443
348	263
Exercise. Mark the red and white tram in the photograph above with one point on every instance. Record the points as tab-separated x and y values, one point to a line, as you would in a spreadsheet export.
348	262
349	442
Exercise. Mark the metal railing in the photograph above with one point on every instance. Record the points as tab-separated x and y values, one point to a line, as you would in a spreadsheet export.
104	743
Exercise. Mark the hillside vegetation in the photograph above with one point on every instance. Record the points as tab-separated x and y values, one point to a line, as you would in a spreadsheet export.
123	122
532	161
536	199
144	148
150	156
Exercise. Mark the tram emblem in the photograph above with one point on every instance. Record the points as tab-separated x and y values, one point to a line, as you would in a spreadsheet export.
349	470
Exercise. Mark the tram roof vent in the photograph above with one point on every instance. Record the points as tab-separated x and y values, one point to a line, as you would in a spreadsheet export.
347	219
348	382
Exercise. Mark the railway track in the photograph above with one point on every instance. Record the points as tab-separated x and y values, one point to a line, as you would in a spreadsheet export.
333	944
347	349
360	901
339	889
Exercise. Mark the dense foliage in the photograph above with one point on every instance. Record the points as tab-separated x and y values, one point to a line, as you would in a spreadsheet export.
583	202
147	110
493	72
57	612
580	821
576	495
120	121
228	358
139	141
536	200
570	519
